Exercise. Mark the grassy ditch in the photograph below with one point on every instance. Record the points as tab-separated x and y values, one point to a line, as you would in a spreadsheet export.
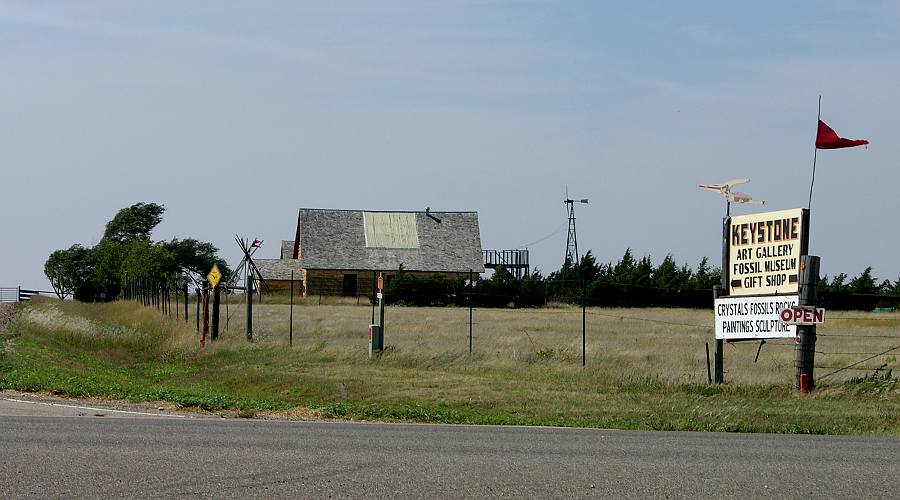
644	373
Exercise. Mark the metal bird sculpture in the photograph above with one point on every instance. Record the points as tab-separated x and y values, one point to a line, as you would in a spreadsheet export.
731	196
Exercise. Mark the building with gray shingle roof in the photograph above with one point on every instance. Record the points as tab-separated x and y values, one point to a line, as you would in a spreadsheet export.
287	249
339	251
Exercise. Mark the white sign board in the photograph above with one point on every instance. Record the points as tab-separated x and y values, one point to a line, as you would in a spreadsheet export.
739	318
764	253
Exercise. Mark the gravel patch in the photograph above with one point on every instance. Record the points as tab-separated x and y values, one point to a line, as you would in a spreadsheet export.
7	314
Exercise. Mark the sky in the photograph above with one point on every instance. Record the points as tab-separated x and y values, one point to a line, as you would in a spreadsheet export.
234	115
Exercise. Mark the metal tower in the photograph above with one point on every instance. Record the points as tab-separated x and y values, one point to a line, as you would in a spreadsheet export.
572	240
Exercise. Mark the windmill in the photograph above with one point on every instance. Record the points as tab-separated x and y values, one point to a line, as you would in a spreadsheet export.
731	196
572	258
572	240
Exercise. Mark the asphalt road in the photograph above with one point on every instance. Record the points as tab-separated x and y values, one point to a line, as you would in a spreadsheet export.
74	453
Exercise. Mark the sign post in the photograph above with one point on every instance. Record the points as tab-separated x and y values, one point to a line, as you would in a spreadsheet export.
805	350
214	277
379	340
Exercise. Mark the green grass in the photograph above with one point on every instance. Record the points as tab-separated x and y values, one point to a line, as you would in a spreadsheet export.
640	375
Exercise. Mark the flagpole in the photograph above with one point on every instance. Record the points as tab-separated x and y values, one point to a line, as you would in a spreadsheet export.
815	154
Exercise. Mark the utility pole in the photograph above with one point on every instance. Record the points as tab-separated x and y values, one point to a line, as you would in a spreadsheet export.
806	347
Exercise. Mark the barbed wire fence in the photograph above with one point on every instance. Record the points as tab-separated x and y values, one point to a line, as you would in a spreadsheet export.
863	354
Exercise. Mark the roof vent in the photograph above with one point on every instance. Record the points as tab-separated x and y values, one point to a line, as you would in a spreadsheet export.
428	213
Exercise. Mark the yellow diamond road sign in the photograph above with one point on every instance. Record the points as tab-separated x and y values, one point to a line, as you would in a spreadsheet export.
214	276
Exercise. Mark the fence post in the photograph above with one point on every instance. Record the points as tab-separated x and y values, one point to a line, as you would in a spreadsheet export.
248	293
205	317
719	356
291	327
374	285
380	343
471	286
198	309
217	293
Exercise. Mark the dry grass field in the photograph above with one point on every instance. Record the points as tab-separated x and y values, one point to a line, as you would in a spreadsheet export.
659	342
646	368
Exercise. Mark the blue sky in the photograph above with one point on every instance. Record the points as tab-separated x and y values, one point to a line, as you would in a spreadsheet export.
234	116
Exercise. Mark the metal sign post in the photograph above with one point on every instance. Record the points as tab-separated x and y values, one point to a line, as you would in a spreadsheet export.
248	292
379	340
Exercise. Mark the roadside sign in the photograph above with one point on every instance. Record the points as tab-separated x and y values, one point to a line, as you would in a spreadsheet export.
764	252
214	276
803	315
742	318
380	281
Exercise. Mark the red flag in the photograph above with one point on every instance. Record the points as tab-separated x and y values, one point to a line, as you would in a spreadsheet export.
827	138
257	243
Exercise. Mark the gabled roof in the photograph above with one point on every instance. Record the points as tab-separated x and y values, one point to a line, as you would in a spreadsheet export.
278	269
287	249
379	240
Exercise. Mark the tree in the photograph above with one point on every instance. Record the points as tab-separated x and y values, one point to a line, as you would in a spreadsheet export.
705	278
108	271
69	270
623	269
134	223
864	283
148	261
590	271
532	290
195	258
98	273
837	284
642	273
667	275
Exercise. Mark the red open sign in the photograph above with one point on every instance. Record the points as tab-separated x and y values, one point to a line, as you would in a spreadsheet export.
803	315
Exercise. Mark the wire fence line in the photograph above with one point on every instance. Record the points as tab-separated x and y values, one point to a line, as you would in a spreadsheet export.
829	355
650	320
850	366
